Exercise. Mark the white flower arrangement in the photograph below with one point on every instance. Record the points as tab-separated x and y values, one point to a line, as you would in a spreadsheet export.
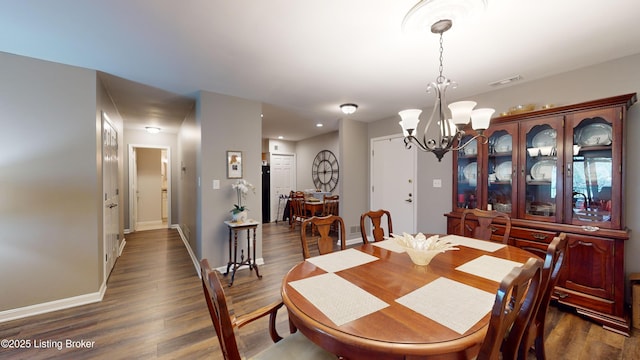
422	249
241	187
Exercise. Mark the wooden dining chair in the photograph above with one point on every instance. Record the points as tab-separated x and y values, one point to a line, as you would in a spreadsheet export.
375	217
297	211
534	334
294	346
485	227
324	241
330	205
511	311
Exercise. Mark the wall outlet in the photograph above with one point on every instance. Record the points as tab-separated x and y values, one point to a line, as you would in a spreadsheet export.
437	183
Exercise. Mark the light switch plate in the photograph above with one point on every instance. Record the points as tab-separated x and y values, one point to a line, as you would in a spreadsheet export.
437	183
216	184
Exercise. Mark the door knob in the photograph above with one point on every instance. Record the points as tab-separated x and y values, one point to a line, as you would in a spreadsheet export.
409	200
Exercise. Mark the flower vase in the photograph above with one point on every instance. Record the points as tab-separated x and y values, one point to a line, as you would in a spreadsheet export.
239	217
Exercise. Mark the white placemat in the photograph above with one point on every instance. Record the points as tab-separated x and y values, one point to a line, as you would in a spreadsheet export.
390	245
340	260
489	267
453	304
474	243
340	300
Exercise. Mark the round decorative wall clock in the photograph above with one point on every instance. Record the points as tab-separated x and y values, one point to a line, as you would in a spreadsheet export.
325	171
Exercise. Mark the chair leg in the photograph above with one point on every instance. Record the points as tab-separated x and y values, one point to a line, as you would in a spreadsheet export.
539	348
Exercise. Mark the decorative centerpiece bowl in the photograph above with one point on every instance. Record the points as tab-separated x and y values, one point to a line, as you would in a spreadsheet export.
421	249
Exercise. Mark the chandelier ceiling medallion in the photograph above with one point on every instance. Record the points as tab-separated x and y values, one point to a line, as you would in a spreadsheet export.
450	122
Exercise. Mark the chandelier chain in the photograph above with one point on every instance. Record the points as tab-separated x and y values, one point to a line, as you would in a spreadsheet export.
441	78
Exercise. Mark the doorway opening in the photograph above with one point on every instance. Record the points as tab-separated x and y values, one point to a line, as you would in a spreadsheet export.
149	187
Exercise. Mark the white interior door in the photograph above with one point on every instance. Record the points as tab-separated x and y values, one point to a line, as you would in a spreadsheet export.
282	181
111	218
393	182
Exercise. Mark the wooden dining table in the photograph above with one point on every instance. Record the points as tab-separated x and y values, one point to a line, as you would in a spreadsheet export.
313	207
372	302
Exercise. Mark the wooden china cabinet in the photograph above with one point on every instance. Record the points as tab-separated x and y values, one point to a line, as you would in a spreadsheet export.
558	170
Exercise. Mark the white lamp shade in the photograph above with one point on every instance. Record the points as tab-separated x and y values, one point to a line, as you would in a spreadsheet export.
461	111
480	118
452	127
410	120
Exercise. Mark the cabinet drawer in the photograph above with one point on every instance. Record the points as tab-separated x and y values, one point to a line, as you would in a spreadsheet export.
580	300
537	248
540	236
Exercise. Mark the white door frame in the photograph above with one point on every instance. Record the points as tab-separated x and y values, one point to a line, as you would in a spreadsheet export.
132	195
409	153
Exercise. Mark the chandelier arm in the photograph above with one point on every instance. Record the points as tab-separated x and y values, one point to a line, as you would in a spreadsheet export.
484	138
411	140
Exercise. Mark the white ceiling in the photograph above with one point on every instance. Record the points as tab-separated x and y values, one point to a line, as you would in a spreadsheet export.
302	59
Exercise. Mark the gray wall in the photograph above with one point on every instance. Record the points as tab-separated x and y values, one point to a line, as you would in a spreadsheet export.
187	181
50	181
227	123
354	157
306	151
612	78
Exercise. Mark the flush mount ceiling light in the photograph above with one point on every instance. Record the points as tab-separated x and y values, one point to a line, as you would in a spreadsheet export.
450	123
348	108
152	129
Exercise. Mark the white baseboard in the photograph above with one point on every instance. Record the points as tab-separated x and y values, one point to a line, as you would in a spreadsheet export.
55	305
122	245
194	258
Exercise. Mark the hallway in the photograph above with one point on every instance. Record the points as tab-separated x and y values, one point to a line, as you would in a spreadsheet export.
153	309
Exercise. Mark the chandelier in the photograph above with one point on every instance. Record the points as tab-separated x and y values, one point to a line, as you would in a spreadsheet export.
451	123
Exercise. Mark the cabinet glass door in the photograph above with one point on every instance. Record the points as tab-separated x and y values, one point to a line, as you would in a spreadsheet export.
502	148
590	164
541	169
467	175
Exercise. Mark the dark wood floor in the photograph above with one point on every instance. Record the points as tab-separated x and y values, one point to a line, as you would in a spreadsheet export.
154	309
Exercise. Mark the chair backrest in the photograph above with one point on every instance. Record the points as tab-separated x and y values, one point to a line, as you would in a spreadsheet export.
376	219
330	205
324	241
217	303
511	311
297	211
485	227
550	271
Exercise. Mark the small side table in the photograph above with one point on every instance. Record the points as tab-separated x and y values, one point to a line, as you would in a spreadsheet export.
234	264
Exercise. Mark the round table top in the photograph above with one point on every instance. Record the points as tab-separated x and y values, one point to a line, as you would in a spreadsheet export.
395	329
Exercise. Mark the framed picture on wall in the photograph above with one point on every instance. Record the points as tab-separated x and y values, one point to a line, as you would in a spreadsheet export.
234	164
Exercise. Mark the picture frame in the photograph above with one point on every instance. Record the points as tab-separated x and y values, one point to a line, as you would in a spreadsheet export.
234	164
